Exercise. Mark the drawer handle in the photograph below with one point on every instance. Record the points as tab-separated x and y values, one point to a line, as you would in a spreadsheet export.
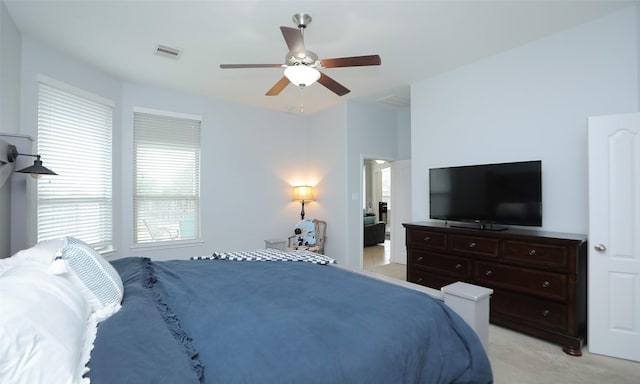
489	273
419	280
546	313
472	245
427	239
420	258
532	252
546	284
458	266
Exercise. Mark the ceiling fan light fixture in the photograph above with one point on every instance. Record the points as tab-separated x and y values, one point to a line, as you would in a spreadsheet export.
302	75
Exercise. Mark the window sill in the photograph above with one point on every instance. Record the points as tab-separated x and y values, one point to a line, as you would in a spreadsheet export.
168	244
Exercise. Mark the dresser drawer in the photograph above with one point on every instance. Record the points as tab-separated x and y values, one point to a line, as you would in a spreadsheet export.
530	311
429	279
538	255
426	239
543	284
475	245
453	266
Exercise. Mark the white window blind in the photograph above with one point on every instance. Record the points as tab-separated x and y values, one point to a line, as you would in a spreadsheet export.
74	140
167	178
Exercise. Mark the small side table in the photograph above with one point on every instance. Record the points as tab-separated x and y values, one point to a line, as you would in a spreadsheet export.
275	243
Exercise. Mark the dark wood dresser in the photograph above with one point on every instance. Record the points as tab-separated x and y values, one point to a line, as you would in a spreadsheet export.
539	278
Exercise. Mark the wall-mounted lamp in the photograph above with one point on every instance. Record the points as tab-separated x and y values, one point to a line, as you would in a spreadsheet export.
36	169
302	193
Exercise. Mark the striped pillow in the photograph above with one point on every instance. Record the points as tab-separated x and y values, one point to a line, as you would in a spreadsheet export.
96	278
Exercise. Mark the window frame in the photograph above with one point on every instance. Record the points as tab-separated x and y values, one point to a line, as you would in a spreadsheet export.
61	157
173	228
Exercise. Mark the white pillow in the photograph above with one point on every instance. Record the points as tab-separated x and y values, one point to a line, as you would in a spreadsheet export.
96	278
44	252
46	328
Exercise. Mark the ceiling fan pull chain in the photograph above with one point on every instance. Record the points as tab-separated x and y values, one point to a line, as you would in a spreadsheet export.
302	99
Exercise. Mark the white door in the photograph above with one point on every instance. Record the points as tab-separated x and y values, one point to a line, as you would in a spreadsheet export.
614	236
401	203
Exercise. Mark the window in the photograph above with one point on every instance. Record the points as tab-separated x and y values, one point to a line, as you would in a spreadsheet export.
167	177
74	139
386	185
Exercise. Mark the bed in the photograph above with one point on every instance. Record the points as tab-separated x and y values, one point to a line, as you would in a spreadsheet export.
224	320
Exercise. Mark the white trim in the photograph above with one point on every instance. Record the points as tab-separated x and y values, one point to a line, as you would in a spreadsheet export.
160	112
436	294
76	91
17	135
167	244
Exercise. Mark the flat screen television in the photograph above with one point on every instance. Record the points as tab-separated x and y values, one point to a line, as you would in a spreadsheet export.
505	193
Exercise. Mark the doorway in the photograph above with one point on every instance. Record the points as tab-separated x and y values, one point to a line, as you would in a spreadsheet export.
377	211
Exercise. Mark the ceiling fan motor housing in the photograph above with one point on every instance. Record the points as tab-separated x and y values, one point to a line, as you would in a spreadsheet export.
302	67
301	58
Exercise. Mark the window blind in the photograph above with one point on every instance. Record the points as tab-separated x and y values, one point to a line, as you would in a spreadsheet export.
167	178
75	140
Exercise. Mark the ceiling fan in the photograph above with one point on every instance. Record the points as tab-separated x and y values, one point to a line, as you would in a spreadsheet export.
301	67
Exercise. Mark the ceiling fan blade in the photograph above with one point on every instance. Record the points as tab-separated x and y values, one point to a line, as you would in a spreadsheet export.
230	66
333	85
278	87
294	40
355	61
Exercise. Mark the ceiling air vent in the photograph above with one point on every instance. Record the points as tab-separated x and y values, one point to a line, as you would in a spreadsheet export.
395	100
166	51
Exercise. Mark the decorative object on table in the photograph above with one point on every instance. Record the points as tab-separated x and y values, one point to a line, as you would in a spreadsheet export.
302	193
309	235
306	232
276	244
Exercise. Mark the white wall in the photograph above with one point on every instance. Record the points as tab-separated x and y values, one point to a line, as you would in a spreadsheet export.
250	157
247	169
372	132
10	53
327	170
529	103
404	134
250	160
40	61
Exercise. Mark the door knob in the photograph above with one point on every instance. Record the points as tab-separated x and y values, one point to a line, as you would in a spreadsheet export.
600	247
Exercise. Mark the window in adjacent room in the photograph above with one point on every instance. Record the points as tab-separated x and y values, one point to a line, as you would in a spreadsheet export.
166	166
385	174
75	138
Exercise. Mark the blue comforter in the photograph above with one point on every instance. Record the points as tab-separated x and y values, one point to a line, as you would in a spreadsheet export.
188	321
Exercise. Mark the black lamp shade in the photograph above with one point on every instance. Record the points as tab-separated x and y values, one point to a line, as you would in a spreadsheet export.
37	169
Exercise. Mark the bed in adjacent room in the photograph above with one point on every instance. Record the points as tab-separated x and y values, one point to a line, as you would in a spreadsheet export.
226	320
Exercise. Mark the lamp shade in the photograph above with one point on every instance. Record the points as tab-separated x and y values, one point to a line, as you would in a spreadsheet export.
37	168
303	193
302	75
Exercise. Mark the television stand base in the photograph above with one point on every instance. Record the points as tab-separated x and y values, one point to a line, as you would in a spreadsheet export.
482	227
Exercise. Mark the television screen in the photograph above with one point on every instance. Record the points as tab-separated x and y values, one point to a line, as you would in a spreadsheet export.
505	193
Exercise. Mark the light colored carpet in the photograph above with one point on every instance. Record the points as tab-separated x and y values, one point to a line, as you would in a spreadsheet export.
517	358
520	359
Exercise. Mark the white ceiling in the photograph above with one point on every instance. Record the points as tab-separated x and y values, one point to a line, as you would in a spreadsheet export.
415	39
